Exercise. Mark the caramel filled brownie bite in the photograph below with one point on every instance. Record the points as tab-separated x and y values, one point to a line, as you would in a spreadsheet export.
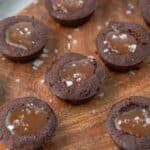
71	12
128	123
22	38
123	46
75	78
144	6
26	124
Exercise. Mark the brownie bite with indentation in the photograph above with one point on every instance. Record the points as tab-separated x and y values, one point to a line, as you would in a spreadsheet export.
144	6
128	123
26	124
123	46
22	38
75	78
71	12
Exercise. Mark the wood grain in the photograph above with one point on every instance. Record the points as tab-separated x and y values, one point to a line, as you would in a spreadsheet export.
79	127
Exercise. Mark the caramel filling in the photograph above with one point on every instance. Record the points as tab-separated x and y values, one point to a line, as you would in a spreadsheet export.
135	122
21	35
68	6
26	121
121	43
77	72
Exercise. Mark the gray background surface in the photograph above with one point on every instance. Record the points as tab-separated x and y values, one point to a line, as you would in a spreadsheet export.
11	7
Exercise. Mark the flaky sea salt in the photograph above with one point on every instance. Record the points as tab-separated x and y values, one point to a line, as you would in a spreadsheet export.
94	111
10	127
17	80
128	12
114	50
130	9
105	42
42	81
91	58
33	42
76	29
137	119
114	36
69	36
37	63
106	50
119	122
56	50
76	75
79	79
147	120
68	46
131	73
130	6
132	48
101	95
69	83
123	36
26	29
99	27
73	65
45	50
44	55
106	23
34	68
22	33
3	58
75	41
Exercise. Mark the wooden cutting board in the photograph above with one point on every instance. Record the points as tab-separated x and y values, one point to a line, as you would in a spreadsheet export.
79	127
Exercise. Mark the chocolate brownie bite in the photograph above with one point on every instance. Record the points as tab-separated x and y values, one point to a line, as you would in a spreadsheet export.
128	123
144	6
26	124
75	78
123	46
22	38
71	12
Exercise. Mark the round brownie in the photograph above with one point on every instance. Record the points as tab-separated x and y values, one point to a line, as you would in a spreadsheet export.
71	12
128	123
26	124
123	46
22	38
144	6
75	78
